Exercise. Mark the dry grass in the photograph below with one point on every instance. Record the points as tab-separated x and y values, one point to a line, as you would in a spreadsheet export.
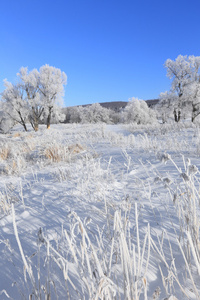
28	146
12	166
4	152
53	154
58	152
16	155
4	204
74	149
16	134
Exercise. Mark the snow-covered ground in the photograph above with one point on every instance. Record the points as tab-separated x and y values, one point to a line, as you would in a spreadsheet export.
100	212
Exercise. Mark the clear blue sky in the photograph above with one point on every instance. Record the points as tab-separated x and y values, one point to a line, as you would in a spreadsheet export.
111	50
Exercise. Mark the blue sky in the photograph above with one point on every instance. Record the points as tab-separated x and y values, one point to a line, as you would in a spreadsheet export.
110	50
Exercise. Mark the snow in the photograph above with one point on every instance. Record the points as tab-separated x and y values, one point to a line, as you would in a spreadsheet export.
101	214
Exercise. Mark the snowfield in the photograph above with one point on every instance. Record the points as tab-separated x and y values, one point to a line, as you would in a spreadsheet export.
100	212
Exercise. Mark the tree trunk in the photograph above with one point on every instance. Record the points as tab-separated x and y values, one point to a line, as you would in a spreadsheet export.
34	122
25	128
49	117
195	111
22	121
194	116
35	117
36	126
177	115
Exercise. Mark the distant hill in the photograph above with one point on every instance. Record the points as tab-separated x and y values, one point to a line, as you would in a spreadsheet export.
152	103
116	105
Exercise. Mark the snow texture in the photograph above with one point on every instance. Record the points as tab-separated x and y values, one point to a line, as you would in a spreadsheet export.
100	212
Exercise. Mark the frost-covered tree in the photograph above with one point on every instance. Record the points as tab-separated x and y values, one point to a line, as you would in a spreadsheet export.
51	87
165	106
76	114
137	111
95	113
15	103
6	123
29	82
57	115
194	99
180	72
193	89
184	72
114	116
35	97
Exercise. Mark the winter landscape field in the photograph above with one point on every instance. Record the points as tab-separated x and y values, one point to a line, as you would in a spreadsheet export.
96	211
99	150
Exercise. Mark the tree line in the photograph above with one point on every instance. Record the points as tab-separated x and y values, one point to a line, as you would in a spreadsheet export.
136	111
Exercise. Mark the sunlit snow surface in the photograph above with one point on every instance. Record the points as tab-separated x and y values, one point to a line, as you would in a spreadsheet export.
71	185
